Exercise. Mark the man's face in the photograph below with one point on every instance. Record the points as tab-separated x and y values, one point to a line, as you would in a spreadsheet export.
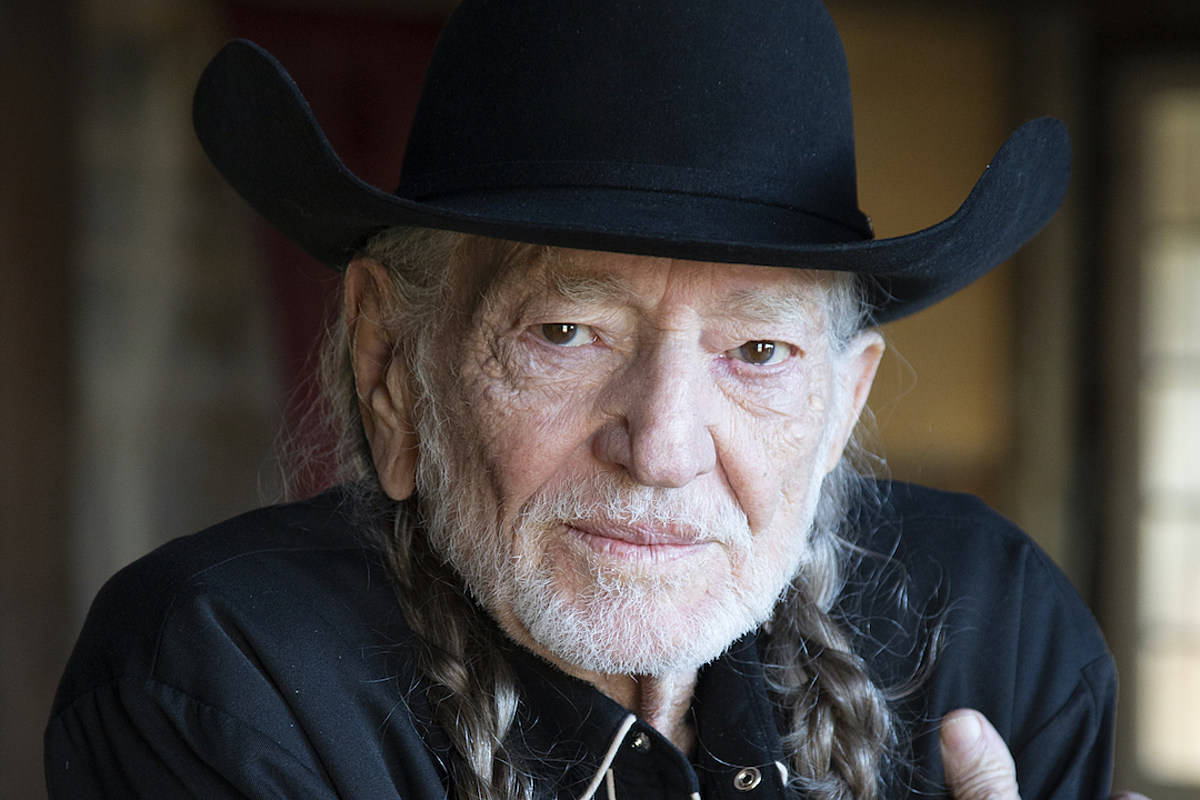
623	454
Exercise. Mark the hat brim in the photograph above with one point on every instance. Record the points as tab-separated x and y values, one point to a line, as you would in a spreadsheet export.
259	131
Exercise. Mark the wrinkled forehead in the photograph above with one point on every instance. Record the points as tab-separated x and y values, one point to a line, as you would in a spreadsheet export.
494	270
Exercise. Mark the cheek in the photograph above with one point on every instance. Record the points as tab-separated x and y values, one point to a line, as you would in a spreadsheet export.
525	432
774	461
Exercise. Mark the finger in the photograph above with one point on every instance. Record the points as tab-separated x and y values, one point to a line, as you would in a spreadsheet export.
1128	796
976	761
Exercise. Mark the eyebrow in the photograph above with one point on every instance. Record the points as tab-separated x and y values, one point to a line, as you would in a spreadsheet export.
778	305
771	306
566	278
592	289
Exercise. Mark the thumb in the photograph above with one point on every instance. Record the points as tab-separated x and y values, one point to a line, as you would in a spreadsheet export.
976	761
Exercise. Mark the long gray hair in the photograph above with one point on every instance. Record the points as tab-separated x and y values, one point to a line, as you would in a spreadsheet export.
843	736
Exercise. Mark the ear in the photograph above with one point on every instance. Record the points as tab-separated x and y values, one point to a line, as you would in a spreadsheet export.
855	368
381	379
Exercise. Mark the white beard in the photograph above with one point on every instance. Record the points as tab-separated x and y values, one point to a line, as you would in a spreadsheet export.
588	610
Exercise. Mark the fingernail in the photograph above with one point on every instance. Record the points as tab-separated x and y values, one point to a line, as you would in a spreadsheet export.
962	731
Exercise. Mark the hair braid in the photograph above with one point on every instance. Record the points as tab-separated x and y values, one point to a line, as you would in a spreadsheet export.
475	697
843	733
472	691
842	729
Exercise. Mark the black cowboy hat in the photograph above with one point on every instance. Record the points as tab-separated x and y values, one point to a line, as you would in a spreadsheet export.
696	129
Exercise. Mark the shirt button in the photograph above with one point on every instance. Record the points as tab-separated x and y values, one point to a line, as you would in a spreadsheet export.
640	742
746	779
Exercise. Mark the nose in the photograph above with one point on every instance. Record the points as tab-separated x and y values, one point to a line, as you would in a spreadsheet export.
660	420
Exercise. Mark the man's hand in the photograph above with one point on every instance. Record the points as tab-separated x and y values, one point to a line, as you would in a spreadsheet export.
977	763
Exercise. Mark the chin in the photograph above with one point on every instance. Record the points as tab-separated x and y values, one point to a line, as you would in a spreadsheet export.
635	630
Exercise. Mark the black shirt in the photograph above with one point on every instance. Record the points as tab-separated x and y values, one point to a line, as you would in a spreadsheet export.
267	657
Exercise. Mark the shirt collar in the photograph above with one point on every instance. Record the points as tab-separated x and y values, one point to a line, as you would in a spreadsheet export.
575	735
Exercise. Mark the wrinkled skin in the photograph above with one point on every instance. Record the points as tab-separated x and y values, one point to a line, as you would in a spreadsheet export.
682	382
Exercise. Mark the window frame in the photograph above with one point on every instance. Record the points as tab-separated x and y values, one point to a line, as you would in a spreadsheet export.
1137	81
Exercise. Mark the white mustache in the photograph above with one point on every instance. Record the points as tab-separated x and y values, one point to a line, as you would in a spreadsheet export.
686	513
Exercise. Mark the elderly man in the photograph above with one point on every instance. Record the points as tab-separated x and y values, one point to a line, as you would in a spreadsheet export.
600	532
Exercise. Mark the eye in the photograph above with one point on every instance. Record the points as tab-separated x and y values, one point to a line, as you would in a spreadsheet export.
567	334
761	352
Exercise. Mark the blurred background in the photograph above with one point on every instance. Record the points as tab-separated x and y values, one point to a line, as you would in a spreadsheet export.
154	333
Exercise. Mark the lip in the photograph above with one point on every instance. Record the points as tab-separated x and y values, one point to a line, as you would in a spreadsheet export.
635	543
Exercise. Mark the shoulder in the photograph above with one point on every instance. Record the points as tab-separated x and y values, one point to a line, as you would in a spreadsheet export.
957	539
301	557
253	617
269	649
1013	637
978	566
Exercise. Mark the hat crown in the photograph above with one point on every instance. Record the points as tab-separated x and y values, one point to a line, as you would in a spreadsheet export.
746	101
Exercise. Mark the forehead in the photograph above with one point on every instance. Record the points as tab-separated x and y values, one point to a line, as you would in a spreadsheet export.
499	271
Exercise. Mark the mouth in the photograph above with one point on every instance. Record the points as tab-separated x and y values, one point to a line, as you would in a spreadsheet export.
641	544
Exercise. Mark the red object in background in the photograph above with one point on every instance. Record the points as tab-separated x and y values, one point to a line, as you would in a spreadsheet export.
362	76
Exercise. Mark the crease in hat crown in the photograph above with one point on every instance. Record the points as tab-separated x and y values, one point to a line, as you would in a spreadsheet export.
696	129
744	101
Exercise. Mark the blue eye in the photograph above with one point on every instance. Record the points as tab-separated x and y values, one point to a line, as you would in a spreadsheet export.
761	352
567	334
